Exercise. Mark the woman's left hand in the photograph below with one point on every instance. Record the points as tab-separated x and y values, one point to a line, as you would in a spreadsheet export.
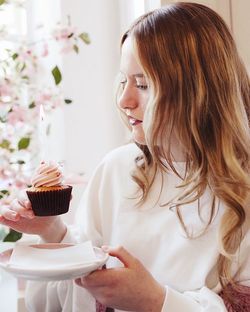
130	287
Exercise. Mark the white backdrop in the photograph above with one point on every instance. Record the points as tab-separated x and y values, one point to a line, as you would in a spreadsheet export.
92	126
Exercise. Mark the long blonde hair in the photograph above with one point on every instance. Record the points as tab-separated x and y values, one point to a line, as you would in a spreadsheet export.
202	94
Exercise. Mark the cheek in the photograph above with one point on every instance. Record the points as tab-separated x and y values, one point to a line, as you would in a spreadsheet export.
144	103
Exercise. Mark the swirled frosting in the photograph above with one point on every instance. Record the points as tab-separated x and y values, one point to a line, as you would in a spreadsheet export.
47	175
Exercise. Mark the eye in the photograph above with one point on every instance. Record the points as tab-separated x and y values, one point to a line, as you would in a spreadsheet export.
141	83
142	86
123	83
122	80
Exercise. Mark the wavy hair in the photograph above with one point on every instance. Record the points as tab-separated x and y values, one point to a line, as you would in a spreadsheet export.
201	93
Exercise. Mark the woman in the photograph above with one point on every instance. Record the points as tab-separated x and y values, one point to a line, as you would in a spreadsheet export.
177	199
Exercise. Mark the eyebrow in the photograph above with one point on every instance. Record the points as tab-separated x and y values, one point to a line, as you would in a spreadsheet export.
138	75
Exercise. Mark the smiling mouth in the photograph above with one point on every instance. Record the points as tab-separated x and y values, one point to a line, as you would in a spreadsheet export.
134	121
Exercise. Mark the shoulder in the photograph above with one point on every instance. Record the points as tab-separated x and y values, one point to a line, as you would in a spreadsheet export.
119	162
114	171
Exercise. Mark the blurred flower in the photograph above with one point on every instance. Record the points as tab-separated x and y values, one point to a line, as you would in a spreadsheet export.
17	114
45	50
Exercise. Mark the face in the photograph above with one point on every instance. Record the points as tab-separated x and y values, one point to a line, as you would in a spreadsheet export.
135	91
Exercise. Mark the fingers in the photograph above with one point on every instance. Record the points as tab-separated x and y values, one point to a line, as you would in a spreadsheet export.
16	209
122	254
106	277
23	200
8	214
99	278
78	282
22	208
9	223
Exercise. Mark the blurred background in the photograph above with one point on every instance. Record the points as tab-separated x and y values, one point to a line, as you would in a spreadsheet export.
83	131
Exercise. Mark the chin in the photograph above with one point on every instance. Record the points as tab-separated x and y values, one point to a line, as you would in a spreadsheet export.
138	136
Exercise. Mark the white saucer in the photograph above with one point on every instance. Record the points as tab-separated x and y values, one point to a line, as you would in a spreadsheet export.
54	272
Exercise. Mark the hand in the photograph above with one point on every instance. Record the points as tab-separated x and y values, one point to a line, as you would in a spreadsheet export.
129	288
20	217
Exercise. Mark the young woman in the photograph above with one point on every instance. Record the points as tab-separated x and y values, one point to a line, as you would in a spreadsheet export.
177	199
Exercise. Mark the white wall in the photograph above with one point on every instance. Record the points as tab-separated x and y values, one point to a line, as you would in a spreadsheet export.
241	28
92	126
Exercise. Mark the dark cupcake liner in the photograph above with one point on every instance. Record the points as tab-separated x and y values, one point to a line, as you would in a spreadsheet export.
50	203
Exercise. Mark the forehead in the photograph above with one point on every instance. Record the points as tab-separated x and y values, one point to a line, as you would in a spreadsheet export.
129	64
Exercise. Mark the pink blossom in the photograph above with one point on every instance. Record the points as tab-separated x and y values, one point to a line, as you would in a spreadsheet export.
64	33
21	183
43	97
5	89
67	48
25	54
45	50
66	36
17	114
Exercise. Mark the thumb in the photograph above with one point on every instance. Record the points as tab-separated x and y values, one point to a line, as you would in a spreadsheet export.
122	254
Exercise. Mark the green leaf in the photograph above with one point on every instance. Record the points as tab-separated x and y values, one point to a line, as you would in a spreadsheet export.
32	105
76	49
3	119
20	162
5	144
57	75
5	192
23	143
2	2
22	68
14	56
68	101
13	236
85	38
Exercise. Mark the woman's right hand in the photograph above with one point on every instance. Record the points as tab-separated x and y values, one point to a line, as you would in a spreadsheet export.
19	216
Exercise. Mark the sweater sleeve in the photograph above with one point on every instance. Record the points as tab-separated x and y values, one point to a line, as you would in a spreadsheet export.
204	300
207	300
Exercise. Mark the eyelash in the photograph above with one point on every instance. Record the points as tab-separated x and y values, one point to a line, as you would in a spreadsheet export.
142	87
139	86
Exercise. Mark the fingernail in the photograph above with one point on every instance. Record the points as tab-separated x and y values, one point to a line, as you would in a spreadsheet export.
105	248
13	215
78	281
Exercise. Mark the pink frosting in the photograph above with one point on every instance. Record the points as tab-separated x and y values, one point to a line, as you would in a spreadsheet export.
47	174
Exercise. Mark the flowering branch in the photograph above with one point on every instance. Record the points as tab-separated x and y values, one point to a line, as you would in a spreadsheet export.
21	95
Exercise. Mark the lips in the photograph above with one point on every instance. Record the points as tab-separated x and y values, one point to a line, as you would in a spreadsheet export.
133	121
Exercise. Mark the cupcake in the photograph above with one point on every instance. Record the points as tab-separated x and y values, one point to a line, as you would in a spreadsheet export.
48	195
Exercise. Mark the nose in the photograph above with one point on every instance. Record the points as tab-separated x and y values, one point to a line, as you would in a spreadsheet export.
128	98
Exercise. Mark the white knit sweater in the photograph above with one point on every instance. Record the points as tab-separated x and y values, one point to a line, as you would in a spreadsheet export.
108	215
